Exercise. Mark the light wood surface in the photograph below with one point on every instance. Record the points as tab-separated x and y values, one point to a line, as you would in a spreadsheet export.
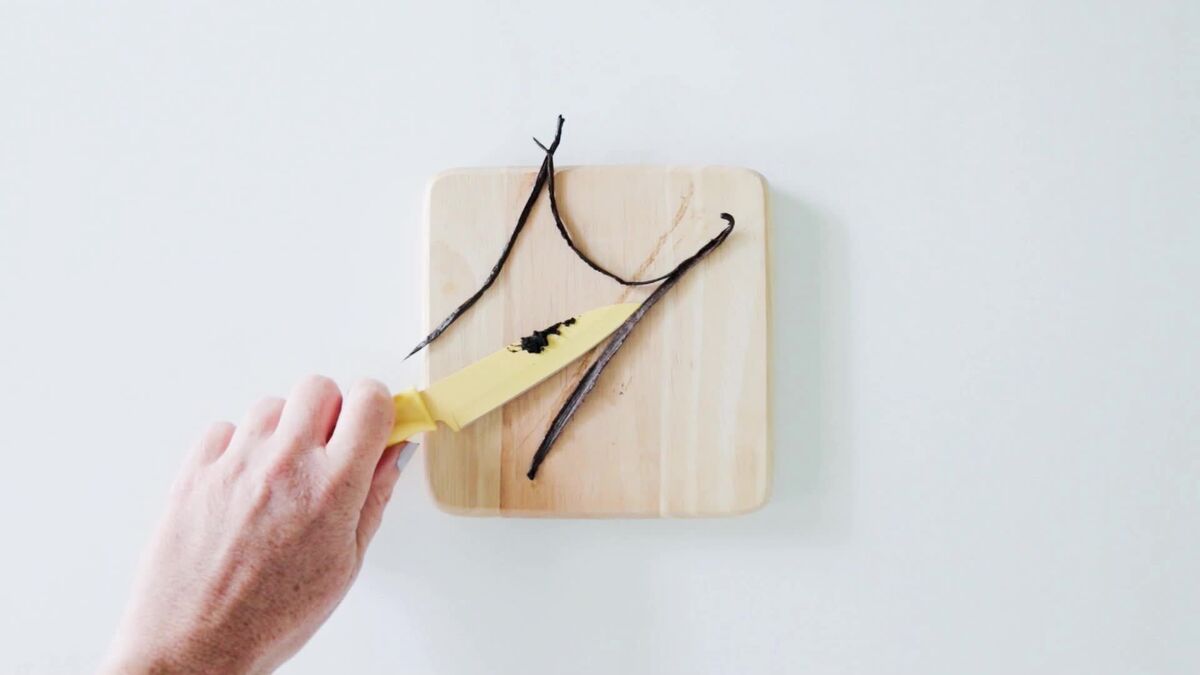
678	425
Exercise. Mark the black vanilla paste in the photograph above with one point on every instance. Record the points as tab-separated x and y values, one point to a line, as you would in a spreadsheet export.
538	340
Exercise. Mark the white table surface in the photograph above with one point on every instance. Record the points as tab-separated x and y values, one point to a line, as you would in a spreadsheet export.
987	382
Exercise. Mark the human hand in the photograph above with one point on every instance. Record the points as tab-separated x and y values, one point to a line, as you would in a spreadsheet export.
265	531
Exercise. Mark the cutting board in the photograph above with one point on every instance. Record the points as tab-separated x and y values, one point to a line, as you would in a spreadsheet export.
678	424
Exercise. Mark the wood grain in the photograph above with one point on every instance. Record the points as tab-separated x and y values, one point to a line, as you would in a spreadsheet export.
678	425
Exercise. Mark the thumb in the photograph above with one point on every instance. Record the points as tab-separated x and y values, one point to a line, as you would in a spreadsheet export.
387	472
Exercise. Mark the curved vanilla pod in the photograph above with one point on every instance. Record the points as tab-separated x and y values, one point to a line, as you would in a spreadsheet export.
545	177
508	247
588	382
562	229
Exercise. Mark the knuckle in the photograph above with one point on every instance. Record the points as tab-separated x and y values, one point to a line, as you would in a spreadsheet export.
287	441
335	484
275	480
261	494
374	399
323	491
229	477
380	498
327	495
217	432
264	415
213	441
267	405
184	484
279	470
336	477
320	385
291	442
372	390
295	481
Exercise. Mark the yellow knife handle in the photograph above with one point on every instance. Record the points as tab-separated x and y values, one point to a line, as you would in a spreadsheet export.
412	417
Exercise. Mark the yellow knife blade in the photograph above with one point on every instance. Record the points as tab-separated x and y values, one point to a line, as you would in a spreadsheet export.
468	394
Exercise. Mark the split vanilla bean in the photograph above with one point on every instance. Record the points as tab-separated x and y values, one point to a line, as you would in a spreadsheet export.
588	382
537	341
508	247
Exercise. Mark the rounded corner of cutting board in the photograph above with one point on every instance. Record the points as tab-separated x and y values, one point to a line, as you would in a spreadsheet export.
456	178
747	173
754	505
460	507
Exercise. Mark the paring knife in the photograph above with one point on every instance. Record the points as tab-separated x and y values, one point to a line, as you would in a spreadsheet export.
465	396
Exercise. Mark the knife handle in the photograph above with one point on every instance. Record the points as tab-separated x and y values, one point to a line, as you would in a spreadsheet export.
412	416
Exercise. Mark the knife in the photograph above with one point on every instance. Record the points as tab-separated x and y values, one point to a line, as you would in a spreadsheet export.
468	394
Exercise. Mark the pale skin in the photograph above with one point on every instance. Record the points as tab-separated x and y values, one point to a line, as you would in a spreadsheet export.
265	531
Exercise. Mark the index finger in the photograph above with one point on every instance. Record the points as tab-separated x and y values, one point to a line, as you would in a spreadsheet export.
362	430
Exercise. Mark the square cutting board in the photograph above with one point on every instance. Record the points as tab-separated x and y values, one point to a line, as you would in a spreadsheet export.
678	423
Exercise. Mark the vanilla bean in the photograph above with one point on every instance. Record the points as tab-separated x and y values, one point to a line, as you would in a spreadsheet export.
562	229
535	342
508	247
585	386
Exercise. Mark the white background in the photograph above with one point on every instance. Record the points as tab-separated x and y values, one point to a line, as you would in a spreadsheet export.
987	382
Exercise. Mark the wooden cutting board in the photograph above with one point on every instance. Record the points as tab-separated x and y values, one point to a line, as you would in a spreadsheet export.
678	424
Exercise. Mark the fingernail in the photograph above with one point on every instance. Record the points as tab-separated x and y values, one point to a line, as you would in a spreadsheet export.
406	454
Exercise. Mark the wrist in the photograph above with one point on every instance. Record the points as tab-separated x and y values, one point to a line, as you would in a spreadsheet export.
144	658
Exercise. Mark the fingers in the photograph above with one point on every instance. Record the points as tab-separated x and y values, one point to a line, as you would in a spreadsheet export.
387	472
362	432
260	422
310	412
213	443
